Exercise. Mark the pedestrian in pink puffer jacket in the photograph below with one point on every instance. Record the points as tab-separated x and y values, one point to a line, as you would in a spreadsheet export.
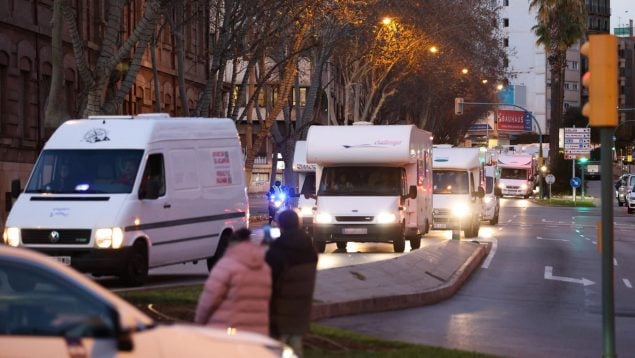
238	289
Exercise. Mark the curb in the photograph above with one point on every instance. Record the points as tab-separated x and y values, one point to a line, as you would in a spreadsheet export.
387	303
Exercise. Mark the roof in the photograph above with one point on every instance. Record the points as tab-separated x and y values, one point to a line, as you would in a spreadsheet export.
455	158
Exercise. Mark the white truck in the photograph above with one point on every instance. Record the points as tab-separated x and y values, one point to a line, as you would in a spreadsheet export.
116	195
457	189
306	185
518	173
375	184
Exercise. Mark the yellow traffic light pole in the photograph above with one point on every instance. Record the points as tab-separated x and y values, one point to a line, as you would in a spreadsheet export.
602	112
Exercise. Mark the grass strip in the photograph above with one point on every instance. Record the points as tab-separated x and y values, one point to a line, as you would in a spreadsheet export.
178	305
567	202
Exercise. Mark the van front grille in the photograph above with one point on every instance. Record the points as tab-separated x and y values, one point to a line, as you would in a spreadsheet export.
354	218
56	236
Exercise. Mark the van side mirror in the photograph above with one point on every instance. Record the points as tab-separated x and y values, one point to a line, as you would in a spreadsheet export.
15	188
310	196
480	193
498	192
412	193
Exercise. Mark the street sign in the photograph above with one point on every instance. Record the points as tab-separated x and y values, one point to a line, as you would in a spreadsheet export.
575	182
550	179
577	142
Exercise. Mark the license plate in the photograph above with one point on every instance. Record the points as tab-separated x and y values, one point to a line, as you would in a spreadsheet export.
354	231
440	226
66	260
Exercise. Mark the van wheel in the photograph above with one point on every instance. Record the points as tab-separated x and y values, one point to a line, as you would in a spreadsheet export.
619	203
494	220
136	271
415	242
341	245
220	250
319	245
399	244
472	231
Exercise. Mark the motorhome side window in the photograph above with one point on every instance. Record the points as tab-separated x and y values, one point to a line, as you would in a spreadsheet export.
361	181
154	175
450	182
97	171
309	184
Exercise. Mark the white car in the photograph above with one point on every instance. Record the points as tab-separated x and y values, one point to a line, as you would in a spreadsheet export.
491	200
48	309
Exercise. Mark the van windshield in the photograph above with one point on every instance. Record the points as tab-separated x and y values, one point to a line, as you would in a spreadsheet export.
103	171
309	184
450	182
361	181
513	173
489	185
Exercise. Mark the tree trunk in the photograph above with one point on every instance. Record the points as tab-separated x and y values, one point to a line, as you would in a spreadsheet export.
177	28
556	107
155	74
56	111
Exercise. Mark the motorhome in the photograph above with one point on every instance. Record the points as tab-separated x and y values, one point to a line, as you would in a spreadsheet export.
491	199
457	189
518	173
116	195
374	184
306	184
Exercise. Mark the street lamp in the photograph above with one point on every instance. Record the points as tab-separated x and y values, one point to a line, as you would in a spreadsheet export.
464	71
434	49
386	21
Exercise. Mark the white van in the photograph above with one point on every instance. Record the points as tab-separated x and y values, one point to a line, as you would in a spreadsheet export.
457	189
306	185
374	184
121	194
491	199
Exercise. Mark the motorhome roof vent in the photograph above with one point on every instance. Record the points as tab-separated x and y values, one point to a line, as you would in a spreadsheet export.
362	123
109	117
153	115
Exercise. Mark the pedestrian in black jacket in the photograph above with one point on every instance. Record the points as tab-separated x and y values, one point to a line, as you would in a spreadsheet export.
293	263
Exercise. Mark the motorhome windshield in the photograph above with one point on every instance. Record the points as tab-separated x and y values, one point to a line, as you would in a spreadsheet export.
362	181
85	171
309	184
513	173
450	182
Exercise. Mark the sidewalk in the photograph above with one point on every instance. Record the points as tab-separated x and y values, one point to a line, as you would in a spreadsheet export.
418	278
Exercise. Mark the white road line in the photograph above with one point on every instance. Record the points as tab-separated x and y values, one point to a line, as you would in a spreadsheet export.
595	242
542	238
614	261
500	228
510	220
549	276
546	221
491	254
627	283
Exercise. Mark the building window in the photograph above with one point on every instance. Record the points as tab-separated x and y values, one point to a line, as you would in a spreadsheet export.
505	2
572	65
3	96
506	42
505	22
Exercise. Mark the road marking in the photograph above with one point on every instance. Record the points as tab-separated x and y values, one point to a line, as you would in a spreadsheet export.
614	261
510	220
594	242
491	254
546	221
549	276
500	228
627	283
542	238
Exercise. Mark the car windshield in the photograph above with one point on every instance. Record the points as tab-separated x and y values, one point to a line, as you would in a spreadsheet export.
110	171
513	173
359	181
450	182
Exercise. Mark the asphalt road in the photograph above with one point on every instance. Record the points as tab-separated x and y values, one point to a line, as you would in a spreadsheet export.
538	294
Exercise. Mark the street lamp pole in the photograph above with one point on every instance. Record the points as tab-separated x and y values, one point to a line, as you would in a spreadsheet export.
540	156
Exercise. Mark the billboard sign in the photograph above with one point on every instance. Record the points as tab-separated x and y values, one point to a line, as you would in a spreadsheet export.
514	121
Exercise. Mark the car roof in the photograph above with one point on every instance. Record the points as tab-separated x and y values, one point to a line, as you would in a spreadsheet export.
130	316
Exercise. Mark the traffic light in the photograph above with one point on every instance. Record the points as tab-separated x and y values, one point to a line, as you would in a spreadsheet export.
601	79
583	160
458	105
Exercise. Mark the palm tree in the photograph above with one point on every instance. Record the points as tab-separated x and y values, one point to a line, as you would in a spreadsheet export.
561	23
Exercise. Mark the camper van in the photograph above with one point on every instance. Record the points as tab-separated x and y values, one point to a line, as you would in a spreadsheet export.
306	185
457	189
374	184
116	195
518	173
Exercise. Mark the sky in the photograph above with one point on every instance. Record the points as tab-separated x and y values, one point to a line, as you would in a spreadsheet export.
622	11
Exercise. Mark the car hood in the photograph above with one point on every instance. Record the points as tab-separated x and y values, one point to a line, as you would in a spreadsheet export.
66	211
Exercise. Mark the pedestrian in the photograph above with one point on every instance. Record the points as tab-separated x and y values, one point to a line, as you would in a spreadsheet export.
293	263
238	289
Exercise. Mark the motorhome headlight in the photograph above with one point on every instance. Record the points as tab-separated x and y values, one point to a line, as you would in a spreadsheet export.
487	199
109	237
11	236
501	185
306	211
386	218
323	218
460	210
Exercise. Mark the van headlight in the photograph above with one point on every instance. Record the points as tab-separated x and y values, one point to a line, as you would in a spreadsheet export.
501	186
487	199
386	218
109	237
11	236
306	211
323	218
460	210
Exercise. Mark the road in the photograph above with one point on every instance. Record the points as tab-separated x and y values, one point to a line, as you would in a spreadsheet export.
538	294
